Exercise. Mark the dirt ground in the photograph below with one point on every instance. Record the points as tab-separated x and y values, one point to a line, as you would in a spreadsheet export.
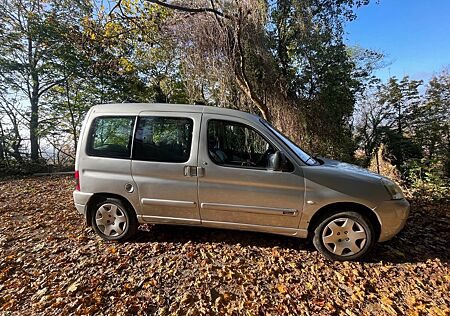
52	264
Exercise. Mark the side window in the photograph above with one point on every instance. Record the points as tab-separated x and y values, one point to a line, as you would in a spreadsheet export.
111	137
235	144
163	139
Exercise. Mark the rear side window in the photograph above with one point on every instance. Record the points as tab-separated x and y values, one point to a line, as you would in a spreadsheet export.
163	139
111	137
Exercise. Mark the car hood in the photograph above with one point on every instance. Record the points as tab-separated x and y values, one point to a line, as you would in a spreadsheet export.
347	179
349	169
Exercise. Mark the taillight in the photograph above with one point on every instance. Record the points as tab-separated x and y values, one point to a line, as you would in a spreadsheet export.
77	179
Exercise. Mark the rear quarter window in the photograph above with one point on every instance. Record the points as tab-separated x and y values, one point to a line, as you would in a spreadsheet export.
111	137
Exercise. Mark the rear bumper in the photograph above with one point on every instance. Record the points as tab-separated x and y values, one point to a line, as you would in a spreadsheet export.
392	216
81	199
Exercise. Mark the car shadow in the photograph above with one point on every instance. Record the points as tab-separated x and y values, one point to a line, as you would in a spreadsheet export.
425	236
178	234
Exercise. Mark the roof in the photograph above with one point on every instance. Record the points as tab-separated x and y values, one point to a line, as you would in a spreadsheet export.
136	108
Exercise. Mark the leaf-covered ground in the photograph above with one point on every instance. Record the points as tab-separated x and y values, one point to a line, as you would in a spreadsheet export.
51	264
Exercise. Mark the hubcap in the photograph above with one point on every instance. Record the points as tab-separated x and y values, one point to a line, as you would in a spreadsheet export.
111	220
344	237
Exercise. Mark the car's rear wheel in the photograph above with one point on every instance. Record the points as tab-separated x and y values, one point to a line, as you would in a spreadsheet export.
114	220
344	235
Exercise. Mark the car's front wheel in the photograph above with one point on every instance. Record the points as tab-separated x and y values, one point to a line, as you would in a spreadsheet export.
344	235
113	220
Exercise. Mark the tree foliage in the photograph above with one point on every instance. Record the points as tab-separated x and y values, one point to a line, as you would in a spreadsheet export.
412	120
33	38
285	60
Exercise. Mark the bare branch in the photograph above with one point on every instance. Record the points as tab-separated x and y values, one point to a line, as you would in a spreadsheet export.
58	147
45	89
190	10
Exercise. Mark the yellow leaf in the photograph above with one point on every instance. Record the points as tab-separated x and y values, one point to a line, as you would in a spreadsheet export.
150	283
386	305
282	288
411	312
411	300
185	299
386	300
73	287
275	253
421	307
438	311
340	277
349	312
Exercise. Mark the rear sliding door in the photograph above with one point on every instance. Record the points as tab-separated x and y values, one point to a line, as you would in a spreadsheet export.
164	166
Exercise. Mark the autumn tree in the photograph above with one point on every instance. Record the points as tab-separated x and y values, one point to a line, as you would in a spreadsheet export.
100	59
432	121
285	60
399	100
28	55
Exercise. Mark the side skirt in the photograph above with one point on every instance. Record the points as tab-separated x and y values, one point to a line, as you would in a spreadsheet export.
295	232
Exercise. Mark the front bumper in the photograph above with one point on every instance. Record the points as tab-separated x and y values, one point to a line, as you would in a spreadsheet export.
80	199
392	216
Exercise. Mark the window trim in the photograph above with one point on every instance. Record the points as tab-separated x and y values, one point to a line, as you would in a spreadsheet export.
257	132
274	132
139	117
89	143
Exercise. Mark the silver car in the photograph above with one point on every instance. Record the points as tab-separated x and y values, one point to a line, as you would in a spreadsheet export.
215	167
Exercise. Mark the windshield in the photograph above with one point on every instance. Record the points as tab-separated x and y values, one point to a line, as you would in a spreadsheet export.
305	157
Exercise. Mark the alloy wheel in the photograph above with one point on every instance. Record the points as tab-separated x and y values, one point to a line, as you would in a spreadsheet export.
344	237
111	220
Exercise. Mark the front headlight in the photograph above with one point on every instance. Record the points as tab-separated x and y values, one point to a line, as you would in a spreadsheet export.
393	189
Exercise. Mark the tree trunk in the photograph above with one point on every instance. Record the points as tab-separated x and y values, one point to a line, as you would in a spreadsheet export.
73	124
244	82
16	143
34	124
3	156
33	94
250	93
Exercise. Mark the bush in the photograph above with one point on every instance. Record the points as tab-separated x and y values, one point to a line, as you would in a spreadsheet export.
383	165
427	178
27	167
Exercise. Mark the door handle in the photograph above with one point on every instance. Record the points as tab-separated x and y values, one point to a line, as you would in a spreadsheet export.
194	171
200	172
190	171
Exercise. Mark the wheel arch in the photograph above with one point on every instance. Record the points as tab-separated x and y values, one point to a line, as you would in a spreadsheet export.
356	207
97	198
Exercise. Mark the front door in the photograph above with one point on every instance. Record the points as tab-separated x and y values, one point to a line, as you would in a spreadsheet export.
164	166
236	186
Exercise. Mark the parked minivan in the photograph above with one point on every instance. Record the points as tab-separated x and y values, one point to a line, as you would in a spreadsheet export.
216	167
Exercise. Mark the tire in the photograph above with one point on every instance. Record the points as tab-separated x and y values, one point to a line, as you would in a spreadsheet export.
114	220
344	236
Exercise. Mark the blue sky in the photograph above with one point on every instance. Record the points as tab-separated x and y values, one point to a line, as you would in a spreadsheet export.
413	34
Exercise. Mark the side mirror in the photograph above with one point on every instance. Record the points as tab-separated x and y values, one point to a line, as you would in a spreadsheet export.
275	161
